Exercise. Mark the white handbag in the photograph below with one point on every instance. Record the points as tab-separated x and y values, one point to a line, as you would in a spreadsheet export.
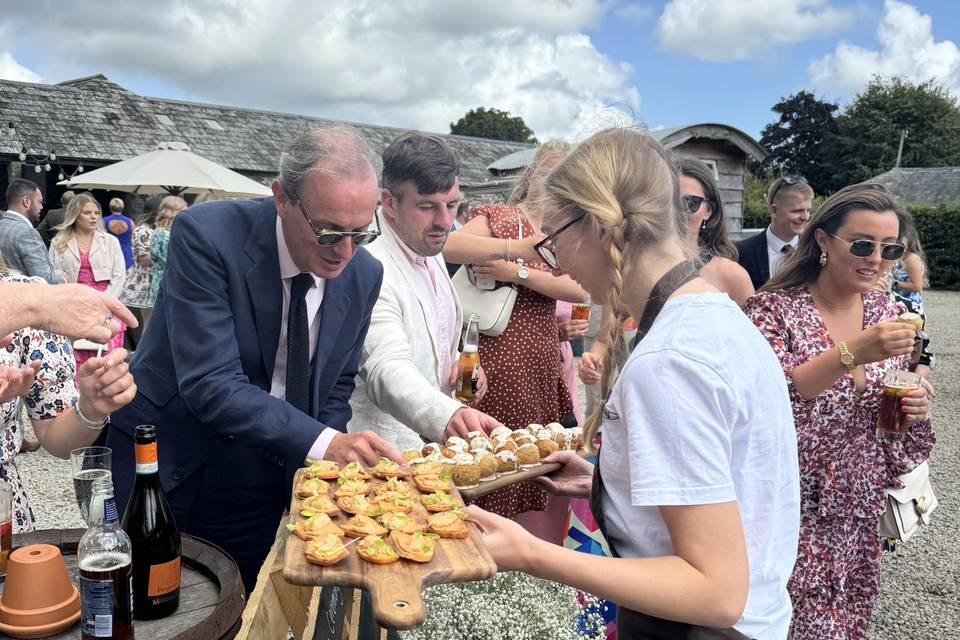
493	306
910	507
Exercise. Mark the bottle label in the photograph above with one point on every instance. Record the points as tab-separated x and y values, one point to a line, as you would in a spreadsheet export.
146	455
164	578
110	515
474	377
96	607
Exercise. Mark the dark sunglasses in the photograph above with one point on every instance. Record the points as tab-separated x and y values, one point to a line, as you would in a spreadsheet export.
691	204
785	180
328	238
546	249
865	248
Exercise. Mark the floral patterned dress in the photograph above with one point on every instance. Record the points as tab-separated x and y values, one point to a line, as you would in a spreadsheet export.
158	254
136	289
524	367
845	466
53	391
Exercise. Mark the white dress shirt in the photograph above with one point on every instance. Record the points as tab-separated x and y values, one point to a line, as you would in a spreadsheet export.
775	252
314	298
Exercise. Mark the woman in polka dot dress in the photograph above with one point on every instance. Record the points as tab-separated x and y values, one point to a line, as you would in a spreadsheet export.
523	365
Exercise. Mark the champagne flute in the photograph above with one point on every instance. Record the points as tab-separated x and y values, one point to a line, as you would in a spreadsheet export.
89	464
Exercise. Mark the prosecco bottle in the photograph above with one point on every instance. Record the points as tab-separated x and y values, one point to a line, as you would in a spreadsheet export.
106	583
154	534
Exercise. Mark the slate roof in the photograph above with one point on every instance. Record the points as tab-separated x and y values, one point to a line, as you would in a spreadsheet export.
96	120
928	185
670	138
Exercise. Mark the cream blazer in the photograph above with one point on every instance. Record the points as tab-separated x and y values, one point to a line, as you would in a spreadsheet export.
400	394
106	261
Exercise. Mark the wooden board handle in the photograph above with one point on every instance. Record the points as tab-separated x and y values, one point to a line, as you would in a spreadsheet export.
397	605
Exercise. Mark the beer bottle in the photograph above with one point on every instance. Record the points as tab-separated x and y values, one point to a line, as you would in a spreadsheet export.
106	581
153	531
469	361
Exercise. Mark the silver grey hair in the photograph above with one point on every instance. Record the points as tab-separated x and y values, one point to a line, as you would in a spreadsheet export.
337	151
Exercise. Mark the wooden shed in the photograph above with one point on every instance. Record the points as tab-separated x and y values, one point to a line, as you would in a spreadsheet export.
726	149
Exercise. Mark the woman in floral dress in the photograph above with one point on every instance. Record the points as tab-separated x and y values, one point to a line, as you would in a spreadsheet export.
525	382
169	208
65	409
136	289
821	306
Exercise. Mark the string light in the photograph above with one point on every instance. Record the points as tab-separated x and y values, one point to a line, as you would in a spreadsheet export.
39	161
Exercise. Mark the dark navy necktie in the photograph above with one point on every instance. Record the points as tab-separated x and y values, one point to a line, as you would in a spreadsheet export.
785	249
298	344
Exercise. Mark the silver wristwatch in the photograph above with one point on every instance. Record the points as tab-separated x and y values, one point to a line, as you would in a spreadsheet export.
522	271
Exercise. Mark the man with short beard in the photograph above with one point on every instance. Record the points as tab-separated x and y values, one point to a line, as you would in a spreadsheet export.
409	364
20	244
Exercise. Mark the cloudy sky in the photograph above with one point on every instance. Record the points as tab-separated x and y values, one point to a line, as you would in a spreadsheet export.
566	66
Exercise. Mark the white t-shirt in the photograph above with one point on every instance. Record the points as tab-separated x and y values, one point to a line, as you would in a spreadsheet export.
700	415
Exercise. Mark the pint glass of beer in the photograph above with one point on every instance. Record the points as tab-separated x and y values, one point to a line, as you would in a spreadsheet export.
896	384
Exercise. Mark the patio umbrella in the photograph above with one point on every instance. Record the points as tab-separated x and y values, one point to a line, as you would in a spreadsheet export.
171	168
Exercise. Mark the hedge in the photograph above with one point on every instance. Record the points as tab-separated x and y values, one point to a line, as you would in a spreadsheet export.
939	229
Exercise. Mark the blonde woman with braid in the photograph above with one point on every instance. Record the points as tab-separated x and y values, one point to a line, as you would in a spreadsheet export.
696	484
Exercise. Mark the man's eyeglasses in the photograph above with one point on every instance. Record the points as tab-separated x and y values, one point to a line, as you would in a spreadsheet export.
546	248
691	204
865	248
791	180
328	238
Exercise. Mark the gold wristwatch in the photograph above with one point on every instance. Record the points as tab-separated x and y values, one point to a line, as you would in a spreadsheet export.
846	358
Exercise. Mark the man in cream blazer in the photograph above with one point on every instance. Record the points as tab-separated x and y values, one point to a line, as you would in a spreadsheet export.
409	360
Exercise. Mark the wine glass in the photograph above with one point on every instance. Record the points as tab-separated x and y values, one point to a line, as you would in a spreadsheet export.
89	464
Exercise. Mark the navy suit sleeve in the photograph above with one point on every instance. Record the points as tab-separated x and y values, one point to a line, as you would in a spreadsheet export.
336	411
210	378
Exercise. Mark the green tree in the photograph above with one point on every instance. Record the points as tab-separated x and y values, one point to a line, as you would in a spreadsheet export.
494	124
798	140
871	126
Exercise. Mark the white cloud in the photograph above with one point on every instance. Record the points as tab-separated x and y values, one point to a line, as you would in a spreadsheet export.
725	30
10	69
418	63
907	49
634	13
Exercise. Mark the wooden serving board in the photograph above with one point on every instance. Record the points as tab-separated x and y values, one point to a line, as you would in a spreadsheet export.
522	475
395	589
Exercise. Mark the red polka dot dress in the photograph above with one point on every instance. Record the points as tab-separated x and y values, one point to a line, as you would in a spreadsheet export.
524	366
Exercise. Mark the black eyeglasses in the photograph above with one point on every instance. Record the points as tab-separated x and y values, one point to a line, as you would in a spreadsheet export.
328	238
865	248
546	249
691	204
791	180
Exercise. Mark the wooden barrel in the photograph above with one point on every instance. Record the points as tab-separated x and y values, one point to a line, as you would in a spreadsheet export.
211	593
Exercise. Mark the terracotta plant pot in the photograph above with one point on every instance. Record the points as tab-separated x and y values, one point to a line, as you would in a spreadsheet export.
38	597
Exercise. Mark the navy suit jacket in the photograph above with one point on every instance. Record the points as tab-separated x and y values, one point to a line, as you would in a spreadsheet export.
753	257
204	366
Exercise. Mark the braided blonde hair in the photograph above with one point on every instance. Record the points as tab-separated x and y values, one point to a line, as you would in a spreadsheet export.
624	184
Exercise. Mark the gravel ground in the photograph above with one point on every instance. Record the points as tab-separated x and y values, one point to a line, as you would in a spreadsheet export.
920	592
920	588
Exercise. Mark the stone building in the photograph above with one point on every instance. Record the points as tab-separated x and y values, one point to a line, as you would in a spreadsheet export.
91	122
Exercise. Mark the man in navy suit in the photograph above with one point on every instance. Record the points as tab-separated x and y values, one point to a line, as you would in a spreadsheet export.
789	201
248	365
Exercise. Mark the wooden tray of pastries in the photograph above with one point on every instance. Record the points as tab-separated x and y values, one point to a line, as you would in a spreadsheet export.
482	464
383	530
